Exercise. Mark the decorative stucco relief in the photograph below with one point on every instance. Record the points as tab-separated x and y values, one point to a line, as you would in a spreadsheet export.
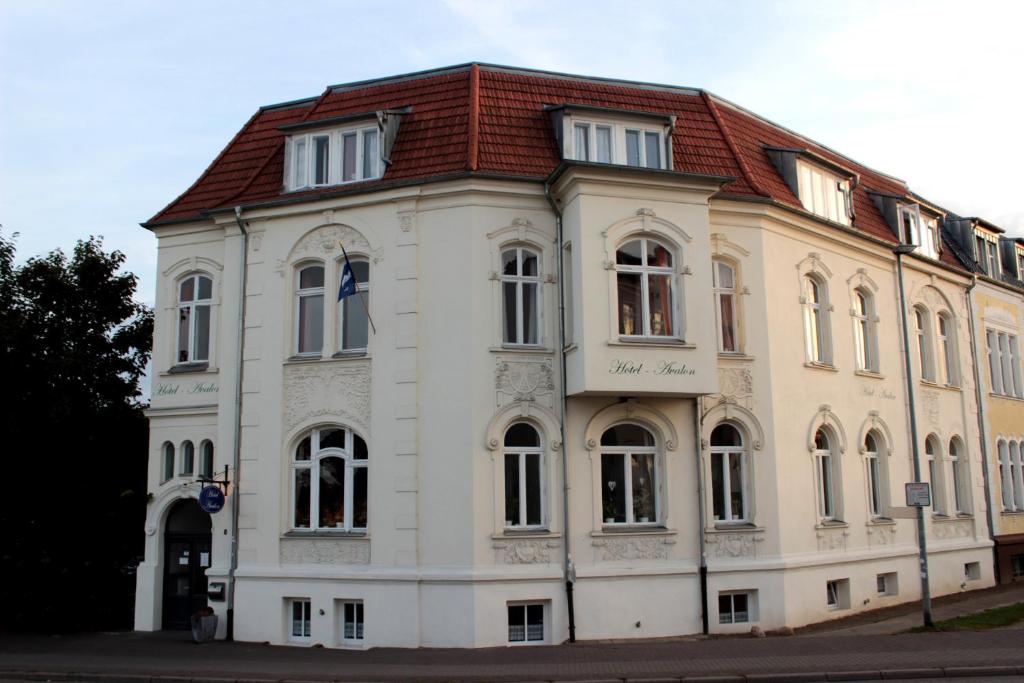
612	549
325	551
524	380
832	539
930	406
882	534
955	528
322	389
733	545
526	551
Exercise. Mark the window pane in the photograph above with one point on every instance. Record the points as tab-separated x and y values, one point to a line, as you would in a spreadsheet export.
724	609
826	485
725	304
359	448
321	163
529	263
516	623
168	462
604	144
512	506
361	271
354	323
630	303
205	287
643	488
530	293
187	290
652	149
632	148
300	162
725	278
359	497
660	296
332	493
206	466
510	334
726	435
201	345
658	256
302	498
535	622
717	486
184	317
188	456
311	277
533	489
821	441
581	142
348	156
370	154
311	324
630	254
522	435
736	485
332	438
739	606
627	435
509	262
613	488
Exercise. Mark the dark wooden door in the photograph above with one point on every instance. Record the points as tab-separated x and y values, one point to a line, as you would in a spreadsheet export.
186	558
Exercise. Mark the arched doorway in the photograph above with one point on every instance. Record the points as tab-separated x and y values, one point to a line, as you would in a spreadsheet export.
186	557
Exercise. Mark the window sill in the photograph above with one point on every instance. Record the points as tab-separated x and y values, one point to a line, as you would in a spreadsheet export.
509	534
324	533
652	342
734	527
729	355
1004	396
185	368
831	524
303	358
964	515
881	521
340	356
633	530
355	353
570	347
1012	513
822	366
942	517
869	373
521	348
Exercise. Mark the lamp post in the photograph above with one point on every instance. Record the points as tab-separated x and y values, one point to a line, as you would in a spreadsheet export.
926	596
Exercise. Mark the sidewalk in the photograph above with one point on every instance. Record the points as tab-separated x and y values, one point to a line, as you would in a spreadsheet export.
836	652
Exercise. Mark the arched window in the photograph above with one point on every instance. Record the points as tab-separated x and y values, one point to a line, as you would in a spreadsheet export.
728	474
961	502
206	459
524	477
816	321
877	475
195	297
309	307
947	350
1017	470
520	296
865	336
330	481
629	485
167	472
353	325
932	454
1006	475
646	289
826	473
923	330
188	458
724	282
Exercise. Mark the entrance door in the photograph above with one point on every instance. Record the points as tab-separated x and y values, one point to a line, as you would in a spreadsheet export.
186	557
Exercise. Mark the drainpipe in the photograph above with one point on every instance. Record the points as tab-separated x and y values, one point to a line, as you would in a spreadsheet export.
926	596
237	455
989	519
569	569
698	423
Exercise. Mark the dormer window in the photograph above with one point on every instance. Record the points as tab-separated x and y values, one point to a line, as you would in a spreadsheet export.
986	252
920	230
610	136
824	193
332	157
1020	263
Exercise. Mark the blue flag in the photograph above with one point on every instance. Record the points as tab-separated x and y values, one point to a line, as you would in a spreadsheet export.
348	279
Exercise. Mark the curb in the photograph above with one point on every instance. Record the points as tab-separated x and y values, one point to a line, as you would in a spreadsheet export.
813	677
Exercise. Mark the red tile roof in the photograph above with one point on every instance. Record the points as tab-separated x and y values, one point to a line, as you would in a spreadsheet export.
491	120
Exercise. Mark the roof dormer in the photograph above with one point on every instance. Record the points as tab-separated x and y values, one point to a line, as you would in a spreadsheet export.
912	220
613	136
824	188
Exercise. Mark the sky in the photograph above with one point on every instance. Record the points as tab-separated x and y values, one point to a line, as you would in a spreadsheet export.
110	109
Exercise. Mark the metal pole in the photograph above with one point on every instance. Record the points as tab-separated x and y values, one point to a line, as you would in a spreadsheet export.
926	596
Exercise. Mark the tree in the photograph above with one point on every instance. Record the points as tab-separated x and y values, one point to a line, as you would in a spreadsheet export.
73	346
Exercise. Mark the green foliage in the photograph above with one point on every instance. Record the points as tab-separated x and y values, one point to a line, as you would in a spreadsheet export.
997	617
73	346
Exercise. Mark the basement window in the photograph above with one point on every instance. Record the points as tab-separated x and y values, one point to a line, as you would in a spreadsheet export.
525	623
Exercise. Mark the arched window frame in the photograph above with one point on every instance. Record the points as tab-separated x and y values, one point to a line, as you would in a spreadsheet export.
876	473
947	347
166	462
1006	475
206	459
865	330
188	458
933	457
925	336
961	477
357	301
314	346
520	284
522	454
312	467
192	342
626	328
720	458
827	475
628	453
817	320
727	305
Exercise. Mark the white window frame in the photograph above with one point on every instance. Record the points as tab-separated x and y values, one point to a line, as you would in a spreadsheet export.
730	616
925	343
526	604
824	193
1006	474
347	454
726	453
300	294
206	455
832	595
520	281
936	480
306	605
1004	363
827	496
721	292
358	636
865	331
302	177
618	130
522	452
876	475
646	271
1017	473
364	296
958	467
627	453
188	458
947	348
166	462
192	306
817	321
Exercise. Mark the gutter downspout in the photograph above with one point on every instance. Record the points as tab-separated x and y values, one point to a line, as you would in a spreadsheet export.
989	519
569	569
698	424
237	455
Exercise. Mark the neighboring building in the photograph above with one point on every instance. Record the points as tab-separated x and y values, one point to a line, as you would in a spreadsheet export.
734	428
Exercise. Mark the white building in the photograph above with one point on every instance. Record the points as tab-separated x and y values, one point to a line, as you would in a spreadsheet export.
734	429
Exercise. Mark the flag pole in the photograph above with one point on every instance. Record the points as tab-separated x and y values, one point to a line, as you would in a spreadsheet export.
362	295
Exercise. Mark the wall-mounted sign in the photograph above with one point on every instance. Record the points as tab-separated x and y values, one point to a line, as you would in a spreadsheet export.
174	389
666	368
211	499
919	494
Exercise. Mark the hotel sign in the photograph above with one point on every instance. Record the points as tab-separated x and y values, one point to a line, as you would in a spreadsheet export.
661	368
166	389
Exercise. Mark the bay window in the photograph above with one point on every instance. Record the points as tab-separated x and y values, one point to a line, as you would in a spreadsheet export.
524	478
520	295
646	289
629	484
728	474
329	481
195	298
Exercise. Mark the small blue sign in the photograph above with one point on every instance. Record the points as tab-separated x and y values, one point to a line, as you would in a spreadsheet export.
211	499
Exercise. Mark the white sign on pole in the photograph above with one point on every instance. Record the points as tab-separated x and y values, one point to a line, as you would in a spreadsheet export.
919	494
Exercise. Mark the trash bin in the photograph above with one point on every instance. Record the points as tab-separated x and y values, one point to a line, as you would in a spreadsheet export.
204	625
